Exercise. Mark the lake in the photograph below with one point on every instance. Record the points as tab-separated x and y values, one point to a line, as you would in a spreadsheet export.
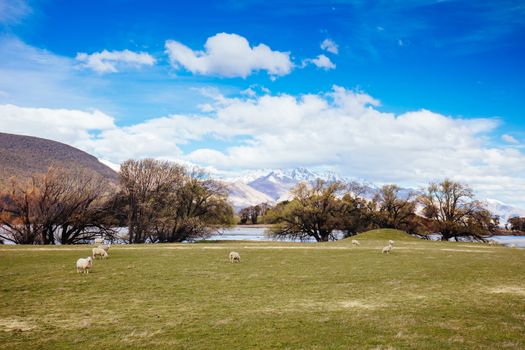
245	233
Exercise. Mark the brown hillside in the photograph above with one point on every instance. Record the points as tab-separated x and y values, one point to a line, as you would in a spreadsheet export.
21	156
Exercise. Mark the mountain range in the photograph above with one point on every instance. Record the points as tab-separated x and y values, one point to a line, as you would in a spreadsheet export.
273	186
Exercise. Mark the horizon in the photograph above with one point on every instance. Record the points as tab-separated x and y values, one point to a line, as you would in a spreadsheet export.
404	92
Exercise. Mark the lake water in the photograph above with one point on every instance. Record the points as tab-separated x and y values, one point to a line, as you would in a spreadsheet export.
245	233
518	241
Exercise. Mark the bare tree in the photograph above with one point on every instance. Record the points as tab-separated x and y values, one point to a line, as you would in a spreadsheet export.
166	202
144	185
56	206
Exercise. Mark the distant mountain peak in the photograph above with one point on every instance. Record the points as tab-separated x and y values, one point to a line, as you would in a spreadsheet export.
274	185
288	175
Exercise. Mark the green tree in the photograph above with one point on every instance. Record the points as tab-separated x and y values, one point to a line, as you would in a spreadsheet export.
395	209
314	212
357	213
454	212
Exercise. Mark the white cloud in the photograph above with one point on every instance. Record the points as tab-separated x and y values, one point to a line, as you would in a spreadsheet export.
65	125
342	130
320	61
229	55
108	61
330	46
509	139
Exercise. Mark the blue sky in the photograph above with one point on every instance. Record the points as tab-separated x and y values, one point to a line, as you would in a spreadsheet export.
460	61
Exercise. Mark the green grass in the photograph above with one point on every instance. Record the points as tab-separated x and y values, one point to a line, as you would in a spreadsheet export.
425	295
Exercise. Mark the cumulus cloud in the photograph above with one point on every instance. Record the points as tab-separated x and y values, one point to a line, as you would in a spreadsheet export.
320	61
108	61
340	129
229	55
65	125
330	46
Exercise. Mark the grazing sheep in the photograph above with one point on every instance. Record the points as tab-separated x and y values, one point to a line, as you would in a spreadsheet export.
355	242
387	249
234	256
104	246
99	240
493	243
99	251
391	242
84	265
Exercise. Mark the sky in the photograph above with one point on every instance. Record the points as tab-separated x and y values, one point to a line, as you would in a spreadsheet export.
389	91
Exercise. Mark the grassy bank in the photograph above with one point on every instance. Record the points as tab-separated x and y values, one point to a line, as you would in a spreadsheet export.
425	295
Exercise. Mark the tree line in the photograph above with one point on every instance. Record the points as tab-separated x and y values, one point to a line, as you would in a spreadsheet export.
325	208
157	201
160	201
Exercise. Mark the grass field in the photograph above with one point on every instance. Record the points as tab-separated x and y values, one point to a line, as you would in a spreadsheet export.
425	295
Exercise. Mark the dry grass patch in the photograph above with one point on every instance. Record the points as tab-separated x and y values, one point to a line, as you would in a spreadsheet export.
16	325
514	290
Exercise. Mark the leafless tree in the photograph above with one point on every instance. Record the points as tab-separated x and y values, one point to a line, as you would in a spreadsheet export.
166	202
144	185
62	205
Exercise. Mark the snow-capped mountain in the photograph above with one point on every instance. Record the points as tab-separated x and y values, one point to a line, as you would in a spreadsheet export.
278	183
242	195
503	210
272	186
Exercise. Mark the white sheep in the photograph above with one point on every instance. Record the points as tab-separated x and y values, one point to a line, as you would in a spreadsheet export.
387	249
104	246
84	265
99	240
99	252
355	242
493	242
391	242
234	256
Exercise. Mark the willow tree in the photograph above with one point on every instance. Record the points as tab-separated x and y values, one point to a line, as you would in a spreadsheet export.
395	208
454	212
315	211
